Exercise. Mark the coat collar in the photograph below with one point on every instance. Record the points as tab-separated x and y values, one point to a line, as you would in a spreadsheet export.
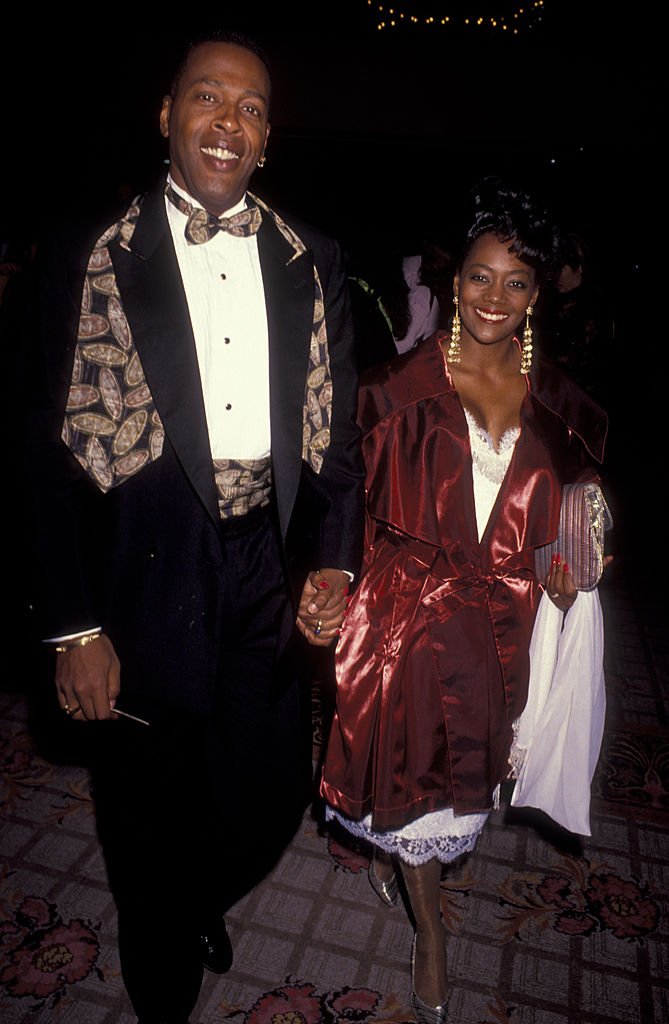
288	280
149	280
422	373
577	410
155	304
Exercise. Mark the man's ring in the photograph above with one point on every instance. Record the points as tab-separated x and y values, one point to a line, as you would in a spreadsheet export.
318	627
554	595
69	711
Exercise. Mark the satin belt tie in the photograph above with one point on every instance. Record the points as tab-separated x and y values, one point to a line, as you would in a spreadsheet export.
465	590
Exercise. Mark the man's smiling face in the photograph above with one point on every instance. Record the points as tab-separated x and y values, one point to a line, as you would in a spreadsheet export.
216	123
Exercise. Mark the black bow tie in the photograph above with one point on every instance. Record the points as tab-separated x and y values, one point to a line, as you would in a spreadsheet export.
201	226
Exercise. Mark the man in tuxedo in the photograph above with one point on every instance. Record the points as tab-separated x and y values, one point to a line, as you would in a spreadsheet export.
200	487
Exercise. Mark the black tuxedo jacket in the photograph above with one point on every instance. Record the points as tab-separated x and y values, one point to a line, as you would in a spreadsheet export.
144	560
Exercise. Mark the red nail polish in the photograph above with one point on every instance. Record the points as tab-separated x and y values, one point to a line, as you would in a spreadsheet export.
554	559
558	559
324	585
566	567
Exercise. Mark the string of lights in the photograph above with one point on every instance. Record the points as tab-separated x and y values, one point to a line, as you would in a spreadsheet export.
516	18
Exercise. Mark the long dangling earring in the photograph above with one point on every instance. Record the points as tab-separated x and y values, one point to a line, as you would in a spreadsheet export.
453	354
526	351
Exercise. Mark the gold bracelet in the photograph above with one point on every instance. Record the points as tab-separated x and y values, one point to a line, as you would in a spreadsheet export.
81	641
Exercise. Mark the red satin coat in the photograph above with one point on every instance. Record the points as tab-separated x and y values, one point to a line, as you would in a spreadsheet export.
433	663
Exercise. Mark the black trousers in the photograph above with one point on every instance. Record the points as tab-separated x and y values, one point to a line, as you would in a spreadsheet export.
194	810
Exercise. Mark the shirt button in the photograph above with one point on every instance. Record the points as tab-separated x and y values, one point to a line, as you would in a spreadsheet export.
224	277
226	340
228	407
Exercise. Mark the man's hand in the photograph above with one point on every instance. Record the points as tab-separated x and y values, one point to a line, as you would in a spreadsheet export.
88	680
322	606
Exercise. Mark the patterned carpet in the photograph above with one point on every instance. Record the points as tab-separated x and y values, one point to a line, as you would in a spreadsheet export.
543	931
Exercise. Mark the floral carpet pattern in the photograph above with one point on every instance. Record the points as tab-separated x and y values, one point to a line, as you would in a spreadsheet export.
633	778
300	1003
577	898
542	928
44	953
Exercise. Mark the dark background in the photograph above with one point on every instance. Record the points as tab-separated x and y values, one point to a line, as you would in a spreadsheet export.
368	126
378	135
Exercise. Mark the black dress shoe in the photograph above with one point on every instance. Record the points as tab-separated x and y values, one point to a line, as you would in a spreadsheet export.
216	947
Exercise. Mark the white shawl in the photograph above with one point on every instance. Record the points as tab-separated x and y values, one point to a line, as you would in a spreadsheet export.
559	734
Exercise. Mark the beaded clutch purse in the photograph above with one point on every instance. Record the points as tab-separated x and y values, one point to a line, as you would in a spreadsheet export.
584	518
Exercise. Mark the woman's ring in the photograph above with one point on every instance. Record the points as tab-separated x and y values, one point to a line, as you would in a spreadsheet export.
318	627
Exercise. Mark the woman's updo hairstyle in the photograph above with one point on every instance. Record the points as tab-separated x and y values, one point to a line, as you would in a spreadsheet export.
515	217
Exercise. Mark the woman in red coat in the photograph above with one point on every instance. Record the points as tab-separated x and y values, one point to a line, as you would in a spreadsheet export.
467	444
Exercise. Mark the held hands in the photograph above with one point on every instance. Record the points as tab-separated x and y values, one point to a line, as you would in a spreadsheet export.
88	681
322	606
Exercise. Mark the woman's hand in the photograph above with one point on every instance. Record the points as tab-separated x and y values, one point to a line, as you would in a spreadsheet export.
323	604
560	585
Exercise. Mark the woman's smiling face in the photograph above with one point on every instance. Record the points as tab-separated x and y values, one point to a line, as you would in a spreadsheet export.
494	288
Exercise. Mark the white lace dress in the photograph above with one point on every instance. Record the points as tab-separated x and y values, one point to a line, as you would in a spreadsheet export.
443	834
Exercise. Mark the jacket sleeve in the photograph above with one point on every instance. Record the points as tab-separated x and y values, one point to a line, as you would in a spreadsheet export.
62	505
341	479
